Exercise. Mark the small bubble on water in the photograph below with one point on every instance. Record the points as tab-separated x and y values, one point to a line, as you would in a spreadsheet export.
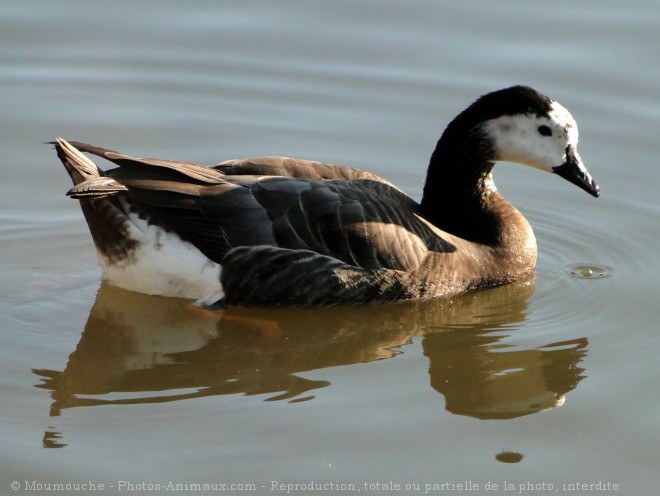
588	271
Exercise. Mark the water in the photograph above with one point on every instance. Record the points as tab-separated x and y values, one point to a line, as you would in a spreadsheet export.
552	380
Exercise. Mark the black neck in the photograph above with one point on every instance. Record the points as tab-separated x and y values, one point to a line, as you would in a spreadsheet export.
458	187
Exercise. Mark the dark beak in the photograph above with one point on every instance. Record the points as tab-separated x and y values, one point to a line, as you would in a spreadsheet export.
575	172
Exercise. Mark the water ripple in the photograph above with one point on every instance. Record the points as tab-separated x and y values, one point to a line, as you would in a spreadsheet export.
588	271
587	260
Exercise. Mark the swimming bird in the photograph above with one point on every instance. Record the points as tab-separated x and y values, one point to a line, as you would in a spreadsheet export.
278	231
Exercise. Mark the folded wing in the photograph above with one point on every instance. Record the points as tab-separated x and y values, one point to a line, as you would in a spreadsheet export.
346	214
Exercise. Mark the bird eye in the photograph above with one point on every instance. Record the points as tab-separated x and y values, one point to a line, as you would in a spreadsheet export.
544	130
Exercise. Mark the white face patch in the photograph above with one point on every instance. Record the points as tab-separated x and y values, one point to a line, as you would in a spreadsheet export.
537	141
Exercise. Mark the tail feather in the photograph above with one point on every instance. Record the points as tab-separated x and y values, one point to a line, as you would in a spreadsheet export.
88	179
70	149
95	188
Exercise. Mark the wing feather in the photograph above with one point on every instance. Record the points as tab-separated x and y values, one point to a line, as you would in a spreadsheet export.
347	214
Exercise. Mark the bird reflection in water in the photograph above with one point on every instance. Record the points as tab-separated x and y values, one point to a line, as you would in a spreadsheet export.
144	349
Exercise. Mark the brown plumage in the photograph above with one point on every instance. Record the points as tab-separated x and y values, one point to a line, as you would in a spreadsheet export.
282	231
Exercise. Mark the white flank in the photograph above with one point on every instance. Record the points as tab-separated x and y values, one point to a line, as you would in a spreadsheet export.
164	264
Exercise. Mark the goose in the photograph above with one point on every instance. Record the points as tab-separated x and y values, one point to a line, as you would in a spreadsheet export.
278	231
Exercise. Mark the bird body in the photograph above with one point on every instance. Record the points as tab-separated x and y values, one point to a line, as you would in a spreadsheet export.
278	231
